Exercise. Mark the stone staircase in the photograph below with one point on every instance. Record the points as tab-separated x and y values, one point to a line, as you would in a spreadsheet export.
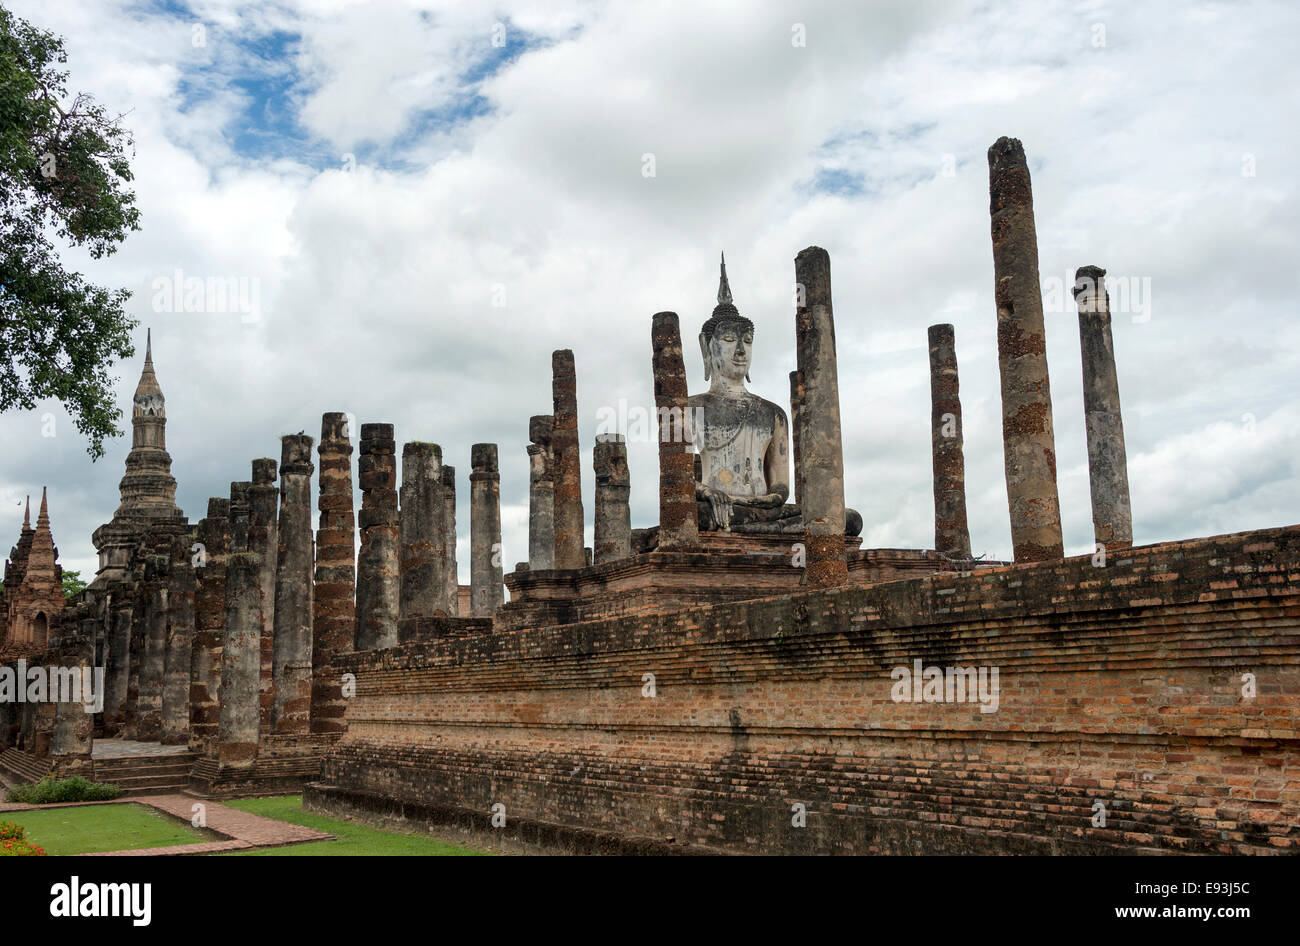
18	767
147	774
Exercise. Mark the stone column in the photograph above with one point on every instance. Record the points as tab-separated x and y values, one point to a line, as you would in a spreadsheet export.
796	424
264	539
153	653
485	570
239	513
451	575
423	587
1028	443
678	518
71	737
541	494
180	645
819	433
951	534
1112	514
237	732
117	658
291	650
209	626
377	582
613	488
568	463
333	614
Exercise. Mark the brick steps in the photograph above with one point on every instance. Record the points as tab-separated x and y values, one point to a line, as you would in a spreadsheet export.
147	775
18	767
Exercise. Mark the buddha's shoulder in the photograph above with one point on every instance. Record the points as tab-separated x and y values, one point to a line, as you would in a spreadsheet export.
718	404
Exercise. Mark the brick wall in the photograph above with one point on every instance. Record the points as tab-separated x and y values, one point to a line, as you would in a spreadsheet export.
1120	685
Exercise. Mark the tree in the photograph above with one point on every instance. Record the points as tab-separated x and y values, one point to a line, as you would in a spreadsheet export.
72	584
63	170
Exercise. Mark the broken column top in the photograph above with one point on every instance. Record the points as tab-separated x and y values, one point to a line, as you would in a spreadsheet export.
483	457
295	453
419	448
334	428
1008	174
1090	289
942	334
448	476
540	429
263	471
239	493
377	438
218	508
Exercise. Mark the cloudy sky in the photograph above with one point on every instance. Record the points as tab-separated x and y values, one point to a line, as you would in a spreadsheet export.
424	200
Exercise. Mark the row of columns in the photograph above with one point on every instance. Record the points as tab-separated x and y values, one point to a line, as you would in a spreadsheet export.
1029	448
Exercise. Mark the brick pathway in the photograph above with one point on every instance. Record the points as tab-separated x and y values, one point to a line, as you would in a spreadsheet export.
240	829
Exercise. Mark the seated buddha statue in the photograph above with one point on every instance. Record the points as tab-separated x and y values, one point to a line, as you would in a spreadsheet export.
742	439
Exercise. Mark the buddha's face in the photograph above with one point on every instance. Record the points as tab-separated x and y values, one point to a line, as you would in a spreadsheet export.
730	351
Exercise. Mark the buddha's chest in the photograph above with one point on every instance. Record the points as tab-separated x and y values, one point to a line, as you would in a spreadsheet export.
733	441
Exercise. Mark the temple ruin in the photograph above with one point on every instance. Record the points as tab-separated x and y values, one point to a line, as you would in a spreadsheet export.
742	675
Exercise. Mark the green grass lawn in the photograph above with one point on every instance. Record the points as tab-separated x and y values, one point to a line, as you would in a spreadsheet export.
353	839
103	828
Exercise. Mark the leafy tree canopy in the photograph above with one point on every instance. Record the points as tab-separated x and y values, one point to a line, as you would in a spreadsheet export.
63	174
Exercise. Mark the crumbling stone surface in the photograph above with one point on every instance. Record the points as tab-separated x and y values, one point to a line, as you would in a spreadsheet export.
1029	445
333	614
820	446
568	463
951	533
487	593
1112	514
613	514
238	729
209	626
422	583
451	575
541	493
179	645
264	539
291	650
377	578
678	518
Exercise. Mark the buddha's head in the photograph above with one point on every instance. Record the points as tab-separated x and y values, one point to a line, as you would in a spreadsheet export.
726	339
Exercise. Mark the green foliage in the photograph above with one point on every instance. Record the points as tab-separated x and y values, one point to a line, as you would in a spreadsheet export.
63	169
72	584
14	843
51	790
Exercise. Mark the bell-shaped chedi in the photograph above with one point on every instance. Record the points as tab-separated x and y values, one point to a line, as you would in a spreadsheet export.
33	586
148	488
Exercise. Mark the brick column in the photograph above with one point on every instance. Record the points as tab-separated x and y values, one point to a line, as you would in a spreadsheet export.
71	736
568	463
153	652
264	539
452	575
951	534
485	569
333	615
1112	514
209	626
291	650
819	433
796	424
1028	443
117	658
613	515
423	587
541	494
180	645
238	729
678	518
377	583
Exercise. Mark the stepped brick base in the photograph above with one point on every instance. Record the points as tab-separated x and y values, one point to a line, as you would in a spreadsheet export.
1147	706
283	765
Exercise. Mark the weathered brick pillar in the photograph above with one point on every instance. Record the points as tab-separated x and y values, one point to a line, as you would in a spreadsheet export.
333	615
153	653
180	645
209	626
264	539
678	518
239	513
423	587
819	433
1112	514
451	575
568	463
613	515
951	534
485	569
796	424
117	658
1028	443
241	661
377	580
541	493
71	736
291	651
